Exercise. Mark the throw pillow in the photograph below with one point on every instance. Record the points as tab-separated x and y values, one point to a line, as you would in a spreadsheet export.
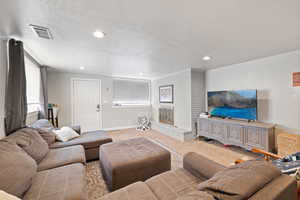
65	134
31	142
6	196
17	169
240	181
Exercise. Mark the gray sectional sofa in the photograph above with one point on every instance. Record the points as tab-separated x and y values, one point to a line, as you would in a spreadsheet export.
34	166
91	141
203	179
31	170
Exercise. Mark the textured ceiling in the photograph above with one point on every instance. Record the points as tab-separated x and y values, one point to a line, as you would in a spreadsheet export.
155	37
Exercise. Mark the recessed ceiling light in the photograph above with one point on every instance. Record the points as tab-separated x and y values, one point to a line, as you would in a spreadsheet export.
99	34
82	68
206	58
141	73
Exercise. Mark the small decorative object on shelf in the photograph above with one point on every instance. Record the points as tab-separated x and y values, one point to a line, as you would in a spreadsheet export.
143	124
204	115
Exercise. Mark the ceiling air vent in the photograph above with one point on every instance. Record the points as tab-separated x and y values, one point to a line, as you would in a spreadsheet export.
41	32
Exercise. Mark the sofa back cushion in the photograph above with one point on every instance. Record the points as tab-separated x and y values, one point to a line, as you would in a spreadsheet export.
240	181
17	169
30	141
42	123
48	135
201	166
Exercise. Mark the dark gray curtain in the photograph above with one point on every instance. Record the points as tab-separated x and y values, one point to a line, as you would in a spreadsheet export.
15	93
44	93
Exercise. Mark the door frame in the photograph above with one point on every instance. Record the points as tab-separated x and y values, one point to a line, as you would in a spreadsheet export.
100	98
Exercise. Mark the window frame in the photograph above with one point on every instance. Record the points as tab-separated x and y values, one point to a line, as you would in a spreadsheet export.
28	58
131	105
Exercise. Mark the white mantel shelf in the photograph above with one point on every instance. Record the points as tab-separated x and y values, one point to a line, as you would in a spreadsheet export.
177	133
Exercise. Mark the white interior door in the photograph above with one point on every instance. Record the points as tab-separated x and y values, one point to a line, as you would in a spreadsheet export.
86	104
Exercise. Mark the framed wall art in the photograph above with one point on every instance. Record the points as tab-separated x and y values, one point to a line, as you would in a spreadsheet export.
296	79
166	94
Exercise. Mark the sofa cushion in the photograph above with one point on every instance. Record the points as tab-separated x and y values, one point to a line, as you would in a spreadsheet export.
62	183
48	135
240	181
91	139
173	184
17	169
30	141
62	156
196	195
135	191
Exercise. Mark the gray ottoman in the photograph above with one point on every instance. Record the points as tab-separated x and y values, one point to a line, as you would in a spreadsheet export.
129	161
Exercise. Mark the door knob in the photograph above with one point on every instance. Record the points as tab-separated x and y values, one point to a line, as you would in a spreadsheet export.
98	108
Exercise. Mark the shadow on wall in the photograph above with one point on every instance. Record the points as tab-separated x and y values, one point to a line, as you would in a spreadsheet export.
263	102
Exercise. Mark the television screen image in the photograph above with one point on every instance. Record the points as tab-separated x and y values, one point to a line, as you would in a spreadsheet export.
240	104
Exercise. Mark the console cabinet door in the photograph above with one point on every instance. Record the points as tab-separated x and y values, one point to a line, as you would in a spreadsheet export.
241	134
203	127
255	138
218	130
235	135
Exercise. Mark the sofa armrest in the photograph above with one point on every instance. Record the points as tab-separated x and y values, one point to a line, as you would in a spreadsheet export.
76	128
201	166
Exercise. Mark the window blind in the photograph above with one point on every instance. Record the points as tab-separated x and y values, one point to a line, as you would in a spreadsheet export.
33	85
131	92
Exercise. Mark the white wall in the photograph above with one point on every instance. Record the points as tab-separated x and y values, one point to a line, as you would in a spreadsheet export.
59	92
278	101
182	98
3	71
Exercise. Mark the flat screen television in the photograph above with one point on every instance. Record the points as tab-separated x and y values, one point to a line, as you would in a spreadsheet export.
239	104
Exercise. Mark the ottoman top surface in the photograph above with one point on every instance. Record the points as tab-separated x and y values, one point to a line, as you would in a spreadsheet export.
132	150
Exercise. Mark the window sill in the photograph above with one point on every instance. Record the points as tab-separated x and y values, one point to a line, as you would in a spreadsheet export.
33	113
32	117
131	106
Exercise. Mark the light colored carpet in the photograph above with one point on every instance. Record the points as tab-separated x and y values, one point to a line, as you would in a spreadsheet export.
96	186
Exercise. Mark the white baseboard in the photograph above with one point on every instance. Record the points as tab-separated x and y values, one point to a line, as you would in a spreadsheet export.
119	128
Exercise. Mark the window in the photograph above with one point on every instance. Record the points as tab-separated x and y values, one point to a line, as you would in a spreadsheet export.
33	85
131	92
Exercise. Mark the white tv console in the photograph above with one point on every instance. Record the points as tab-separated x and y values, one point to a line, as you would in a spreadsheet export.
239	133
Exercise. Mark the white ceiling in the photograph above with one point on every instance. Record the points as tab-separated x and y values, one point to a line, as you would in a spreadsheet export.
155	37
